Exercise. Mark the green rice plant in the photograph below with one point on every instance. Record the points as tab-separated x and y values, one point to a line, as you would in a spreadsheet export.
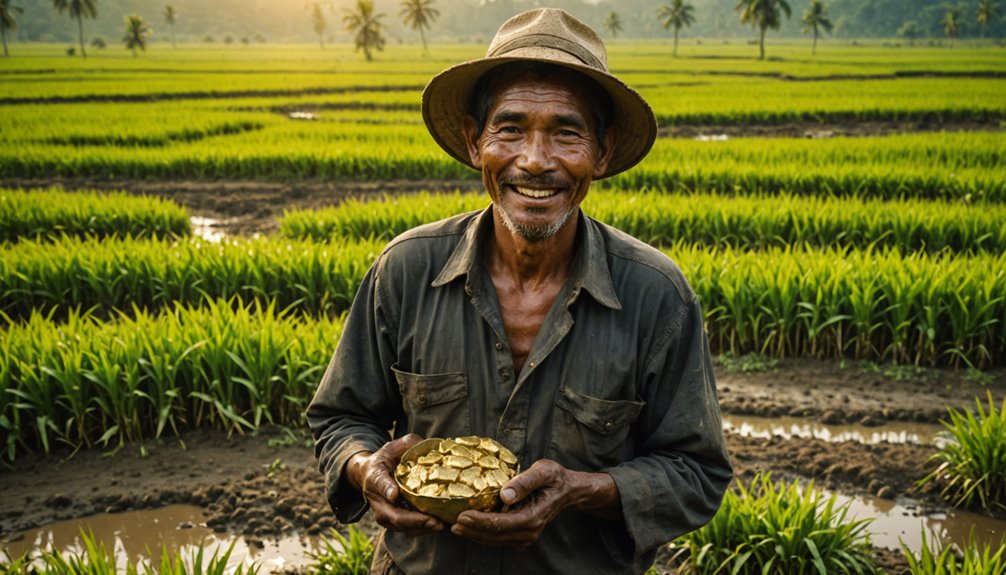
974	559
662	218
95	559
48	213
867	304
768	527
972	470
117	274
343	555
88	382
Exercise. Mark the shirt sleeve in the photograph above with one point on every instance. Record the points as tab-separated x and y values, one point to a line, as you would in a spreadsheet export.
676	483
357	401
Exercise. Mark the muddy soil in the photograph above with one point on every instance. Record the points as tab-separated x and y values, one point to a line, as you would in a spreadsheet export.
267	484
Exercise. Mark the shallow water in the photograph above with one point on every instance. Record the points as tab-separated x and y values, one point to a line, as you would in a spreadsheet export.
208	229
139	536
800	428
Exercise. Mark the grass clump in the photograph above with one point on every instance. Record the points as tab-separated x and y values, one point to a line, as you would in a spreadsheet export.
975	559
343	555
769	527
972	470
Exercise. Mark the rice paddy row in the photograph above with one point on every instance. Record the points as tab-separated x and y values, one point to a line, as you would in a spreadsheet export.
877	304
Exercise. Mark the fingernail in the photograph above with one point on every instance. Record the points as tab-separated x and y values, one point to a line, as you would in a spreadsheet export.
508	495
389	492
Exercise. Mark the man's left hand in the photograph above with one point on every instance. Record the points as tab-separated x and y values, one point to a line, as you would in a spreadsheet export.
533	499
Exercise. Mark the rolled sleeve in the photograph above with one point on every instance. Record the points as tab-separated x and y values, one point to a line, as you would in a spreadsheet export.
357	400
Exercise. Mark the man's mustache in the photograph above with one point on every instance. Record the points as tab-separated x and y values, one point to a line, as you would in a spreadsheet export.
542	181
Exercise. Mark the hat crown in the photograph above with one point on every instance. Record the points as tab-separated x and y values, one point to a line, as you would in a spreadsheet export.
550	29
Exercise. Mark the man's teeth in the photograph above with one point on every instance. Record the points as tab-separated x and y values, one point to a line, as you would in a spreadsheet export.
534	193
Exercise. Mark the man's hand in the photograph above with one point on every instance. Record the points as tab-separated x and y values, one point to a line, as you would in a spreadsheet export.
373	475
537	496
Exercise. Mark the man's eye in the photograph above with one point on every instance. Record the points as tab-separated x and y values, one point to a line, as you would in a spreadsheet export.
569	133
509	130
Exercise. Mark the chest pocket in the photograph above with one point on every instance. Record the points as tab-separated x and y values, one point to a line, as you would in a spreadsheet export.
590	433
436	405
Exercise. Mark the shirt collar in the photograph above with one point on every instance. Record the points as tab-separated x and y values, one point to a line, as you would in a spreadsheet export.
590	267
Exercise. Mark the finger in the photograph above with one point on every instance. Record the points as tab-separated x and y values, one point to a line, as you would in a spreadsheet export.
411	522
539	475
493	530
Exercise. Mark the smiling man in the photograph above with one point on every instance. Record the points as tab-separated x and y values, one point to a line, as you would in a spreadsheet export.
578	347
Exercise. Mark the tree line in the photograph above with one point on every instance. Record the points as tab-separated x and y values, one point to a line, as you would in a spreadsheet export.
475	20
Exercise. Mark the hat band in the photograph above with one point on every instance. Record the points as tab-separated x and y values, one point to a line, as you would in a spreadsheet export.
549	41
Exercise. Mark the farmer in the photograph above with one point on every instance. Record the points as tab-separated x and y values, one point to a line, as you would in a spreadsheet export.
576	346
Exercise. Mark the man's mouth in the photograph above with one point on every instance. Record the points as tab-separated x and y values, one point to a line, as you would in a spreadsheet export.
536	193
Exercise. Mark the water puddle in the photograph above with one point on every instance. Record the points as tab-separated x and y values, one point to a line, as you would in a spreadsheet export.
800	428
139	536
209	229
893	523
712	138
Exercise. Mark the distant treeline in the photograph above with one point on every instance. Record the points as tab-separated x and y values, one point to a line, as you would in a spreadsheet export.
477	20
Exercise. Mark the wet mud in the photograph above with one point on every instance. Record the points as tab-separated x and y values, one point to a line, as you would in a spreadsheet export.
266	485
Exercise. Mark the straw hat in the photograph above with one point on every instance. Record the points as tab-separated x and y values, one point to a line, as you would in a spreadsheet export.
543	35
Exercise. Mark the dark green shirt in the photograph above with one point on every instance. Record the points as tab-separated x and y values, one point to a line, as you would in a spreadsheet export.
619	380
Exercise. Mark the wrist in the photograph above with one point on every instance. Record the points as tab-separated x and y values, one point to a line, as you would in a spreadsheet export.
356	469
595	493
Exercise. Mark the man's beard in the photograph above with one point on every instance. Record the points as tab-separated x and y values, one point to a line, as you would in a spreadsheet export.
534	232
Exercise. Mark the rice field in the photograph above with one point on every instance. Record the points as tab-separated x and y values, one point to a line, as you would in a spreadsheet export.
883	243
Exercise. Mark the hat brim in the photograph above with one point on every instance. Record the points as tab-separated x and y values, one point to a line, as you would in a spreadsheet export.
446	101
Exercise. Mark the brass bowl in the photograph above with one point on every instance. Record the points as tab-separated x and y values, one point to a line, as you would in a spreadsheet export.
446	509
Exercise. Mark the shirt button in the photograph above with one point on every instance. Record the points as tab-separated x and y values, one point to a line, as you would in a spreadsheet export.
499	346
506	431
505	375
531	365
422	399
608	426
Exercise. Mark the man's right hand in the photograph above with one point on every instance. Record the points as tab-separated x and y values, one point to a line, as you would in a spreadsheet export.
373	475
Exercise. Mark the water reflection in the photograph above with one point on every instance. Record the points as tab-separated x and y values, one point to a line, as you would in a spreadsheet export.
207	229
138	536
896	522
800	428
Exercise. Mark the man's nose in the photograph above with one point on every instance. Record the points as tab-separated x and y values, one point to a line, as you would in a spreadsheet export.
537	155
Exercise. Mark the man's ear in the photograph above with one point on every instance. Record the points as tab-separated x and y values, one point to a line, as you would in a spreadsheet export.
470	129
605	150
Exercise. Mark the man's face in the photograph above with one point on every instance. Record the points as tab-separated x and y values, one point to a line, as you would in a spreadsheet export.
538	151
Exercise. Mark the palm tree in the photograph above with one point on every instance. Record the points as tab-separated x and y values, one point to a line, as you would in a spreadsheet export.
7	21
676	14
816	17
367	26
318	23
419	14
987	10
613	24
137	31
78	9
763	14
169	17
952	24
909	31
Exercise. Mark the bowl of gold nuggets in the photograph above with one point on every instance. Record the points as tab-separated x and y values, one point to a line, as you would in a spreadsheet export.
443	477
